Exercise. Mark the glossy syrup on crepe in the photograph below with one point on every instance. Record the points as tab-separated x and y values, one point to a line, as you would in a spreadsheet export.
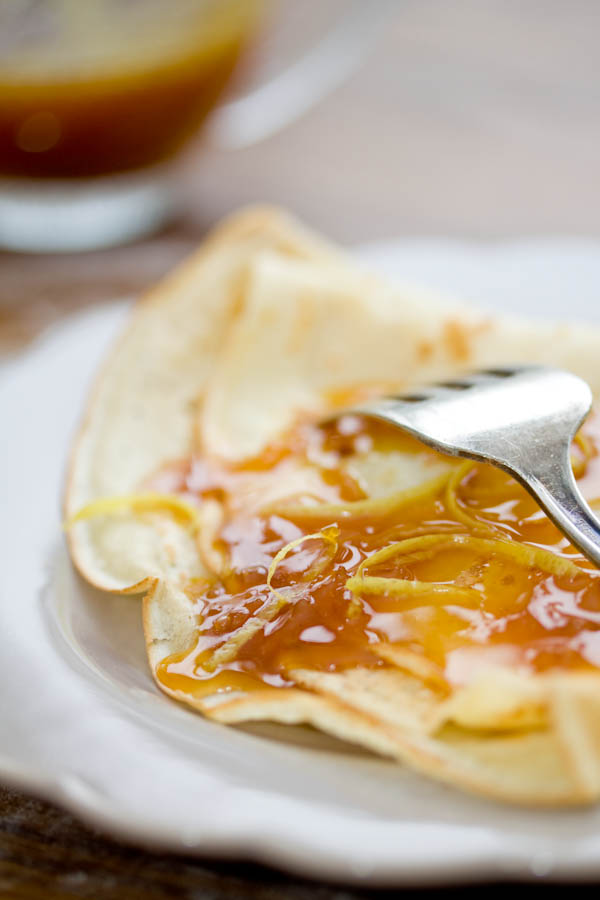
484	577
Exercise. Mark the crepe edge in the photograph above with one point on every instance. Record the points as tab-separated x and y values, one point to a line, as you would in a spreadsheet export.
445	759
280	231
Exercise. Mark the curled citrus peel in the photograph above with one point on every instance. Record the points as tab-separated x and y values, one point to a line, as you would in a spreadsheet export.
150	501
227	651
425	546
329	535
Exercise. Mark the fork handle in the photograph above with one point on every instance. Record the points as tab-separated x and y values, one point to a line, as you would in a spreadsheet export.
554	487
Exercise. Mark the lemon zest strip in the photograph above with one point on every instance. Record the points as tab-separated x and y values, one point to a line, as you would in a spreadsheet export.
451	499
228	650
329	535
144	502
422	547
379	506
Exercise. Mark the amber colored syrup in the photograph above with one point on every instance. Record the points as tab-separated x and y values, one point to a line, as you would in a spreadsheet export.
119	117
523	617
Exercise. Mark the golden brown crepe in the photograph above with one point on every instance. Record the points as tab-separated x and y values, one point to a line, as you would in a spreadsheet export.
265	326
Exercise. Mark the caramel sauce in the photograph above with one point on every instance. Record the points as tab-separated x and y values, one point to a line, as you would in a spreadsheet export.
251	635
93	88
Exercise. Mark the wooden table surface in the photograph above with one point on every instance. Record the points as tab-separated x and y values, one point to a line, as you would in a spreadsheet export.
470	118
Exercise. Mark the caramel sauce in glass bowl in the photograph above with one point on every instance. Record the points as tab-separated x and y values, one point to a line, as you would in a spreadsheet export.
92	87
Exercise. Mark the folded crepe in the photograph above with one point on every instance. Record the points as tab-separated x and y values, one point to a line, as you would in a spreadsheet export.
232	358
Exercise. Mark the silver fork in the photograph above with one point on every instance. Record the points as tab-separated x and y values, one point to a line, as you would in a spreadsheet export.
521	419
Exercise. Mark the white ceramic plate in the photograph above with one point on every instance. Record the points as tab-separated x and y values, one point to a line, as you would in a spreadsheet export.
83	724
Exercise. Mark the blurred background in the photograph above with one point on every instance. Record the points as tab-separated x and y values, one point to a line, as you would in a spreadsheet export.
474	118
471	118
